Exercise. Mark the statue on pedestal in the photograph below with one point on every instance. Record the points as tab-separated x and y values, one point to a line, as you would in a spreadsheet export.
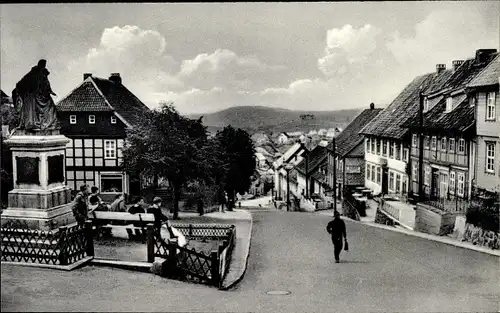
32	98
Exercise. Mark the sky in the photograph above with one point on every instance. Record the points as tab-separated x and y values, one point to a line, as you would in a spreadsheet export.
206	57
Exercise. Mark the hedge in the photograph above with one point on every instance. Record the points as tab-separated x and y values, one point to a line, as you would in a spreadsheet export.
485	217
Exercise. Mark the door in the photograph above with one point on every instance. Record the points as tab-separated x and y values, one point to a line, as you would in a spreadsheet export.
443	189
435	184
385	180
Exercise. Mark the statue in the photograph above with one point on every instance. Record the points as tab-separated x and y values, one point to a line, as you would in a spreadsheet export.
32	98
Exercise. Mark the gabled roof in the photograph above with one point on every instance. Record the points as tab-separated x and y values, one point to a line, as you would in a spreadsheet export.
460	119
316	156
388	122
294	150
98	94
350	137
489	75
466	72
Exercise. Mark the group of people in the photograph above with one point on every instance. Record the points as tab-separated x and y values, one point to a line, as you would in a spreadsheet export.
88	200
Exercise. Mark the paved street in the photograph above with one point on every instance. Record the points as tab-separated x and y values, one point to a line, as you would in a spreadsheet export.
384	271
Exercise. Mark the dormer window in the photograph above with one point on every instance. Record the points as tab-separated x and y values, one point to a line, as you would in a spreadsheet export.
449	104
433	143
72	119
113	119
91	119
426	104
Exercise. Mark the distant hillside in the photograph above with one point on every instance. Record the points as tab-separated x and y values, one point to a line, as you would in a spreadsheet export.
258	118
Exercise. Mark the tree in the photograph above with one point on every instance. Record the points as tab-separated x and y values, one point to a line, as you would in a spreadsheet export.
236	161
168	145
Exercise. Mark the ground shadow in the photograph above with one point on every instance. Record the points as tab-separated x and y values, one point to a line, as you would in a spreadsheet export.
354	261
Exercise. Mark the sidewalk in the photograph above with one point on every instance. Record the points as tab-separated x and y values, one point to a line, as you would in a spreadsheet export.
262	201
441	239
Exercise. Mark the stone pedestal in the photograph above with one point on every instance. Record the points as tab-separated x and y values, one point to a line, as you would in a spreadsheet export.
40	197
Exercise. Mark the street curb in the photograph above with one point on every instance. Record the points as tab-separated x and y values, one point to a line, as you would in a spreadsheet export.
429	237
76	265
239	279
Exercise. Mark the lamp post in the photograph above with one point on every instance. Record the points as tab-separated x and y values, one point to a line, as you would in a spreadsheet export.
288	168
334	177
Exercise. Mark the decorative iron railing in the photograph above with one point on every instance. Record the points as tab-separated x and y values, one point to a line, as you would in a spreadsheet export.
187	263
63	246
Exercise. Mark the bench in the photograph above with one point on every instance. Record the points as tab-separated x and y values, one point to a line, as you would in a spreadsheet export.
137	222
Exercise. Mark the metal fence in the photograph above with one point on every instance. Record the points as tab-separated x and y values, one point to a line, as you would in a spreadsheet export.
187	263
64	246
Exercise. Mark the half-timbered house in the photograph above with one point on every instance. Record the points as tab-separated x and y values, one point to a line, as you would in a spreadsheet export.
95	116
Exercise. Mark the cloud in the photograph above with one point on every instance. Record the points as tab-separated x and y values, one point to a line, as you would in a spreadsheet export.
443	36
348	49
227	69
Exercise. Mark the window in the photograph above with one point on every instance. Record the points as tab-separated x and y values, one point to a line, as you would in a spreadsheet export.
426	142
433	143
490	157
109	149
414	140
461	145
449	104
111	183
414	173
405	185
391	150
472	101
72	119
452	145
426	105
398	151
384	148
405	155
427	175
368	171
379	175
374	174
378	147
373	146
398	183
443	144
367	145
113	120
452	182
91	119
490	106
461	184
391	180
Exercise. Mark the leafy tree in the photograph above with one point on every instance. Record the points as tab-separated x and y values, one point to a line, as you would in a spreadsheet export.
168	145
236	161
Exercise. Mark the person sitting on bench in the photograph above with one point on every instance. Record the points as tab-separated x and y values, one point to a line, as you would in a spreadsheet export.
96	205
137	208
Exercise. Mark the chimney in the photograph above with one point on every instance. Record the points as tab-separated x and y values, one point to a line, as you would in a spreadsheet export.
115	77
440	68
86	75
372	106
456	64
483	54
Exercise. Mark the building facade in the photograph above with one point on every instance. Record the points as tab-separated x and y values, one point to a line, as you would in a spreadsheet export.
485	90
449	137
95	117
349	154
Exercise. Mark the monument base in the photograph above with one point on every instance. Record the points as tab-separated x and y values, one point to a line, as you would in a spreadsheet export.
40	199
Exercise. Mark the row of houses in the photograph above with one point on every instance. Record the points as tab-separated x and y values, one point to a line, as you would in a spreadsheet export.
437	141
284	138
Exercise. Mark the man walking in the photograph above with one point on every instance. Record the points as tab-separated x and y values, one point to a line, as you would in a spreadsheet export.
80	205
336	228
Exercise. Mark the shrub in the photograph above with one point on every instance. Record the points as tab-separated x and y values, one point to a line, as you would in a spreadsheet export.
483	216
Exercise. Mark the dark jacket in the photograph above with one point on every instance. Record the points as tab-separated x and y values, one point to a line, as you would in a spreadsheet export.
159	216
336	228
80	206
135	209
